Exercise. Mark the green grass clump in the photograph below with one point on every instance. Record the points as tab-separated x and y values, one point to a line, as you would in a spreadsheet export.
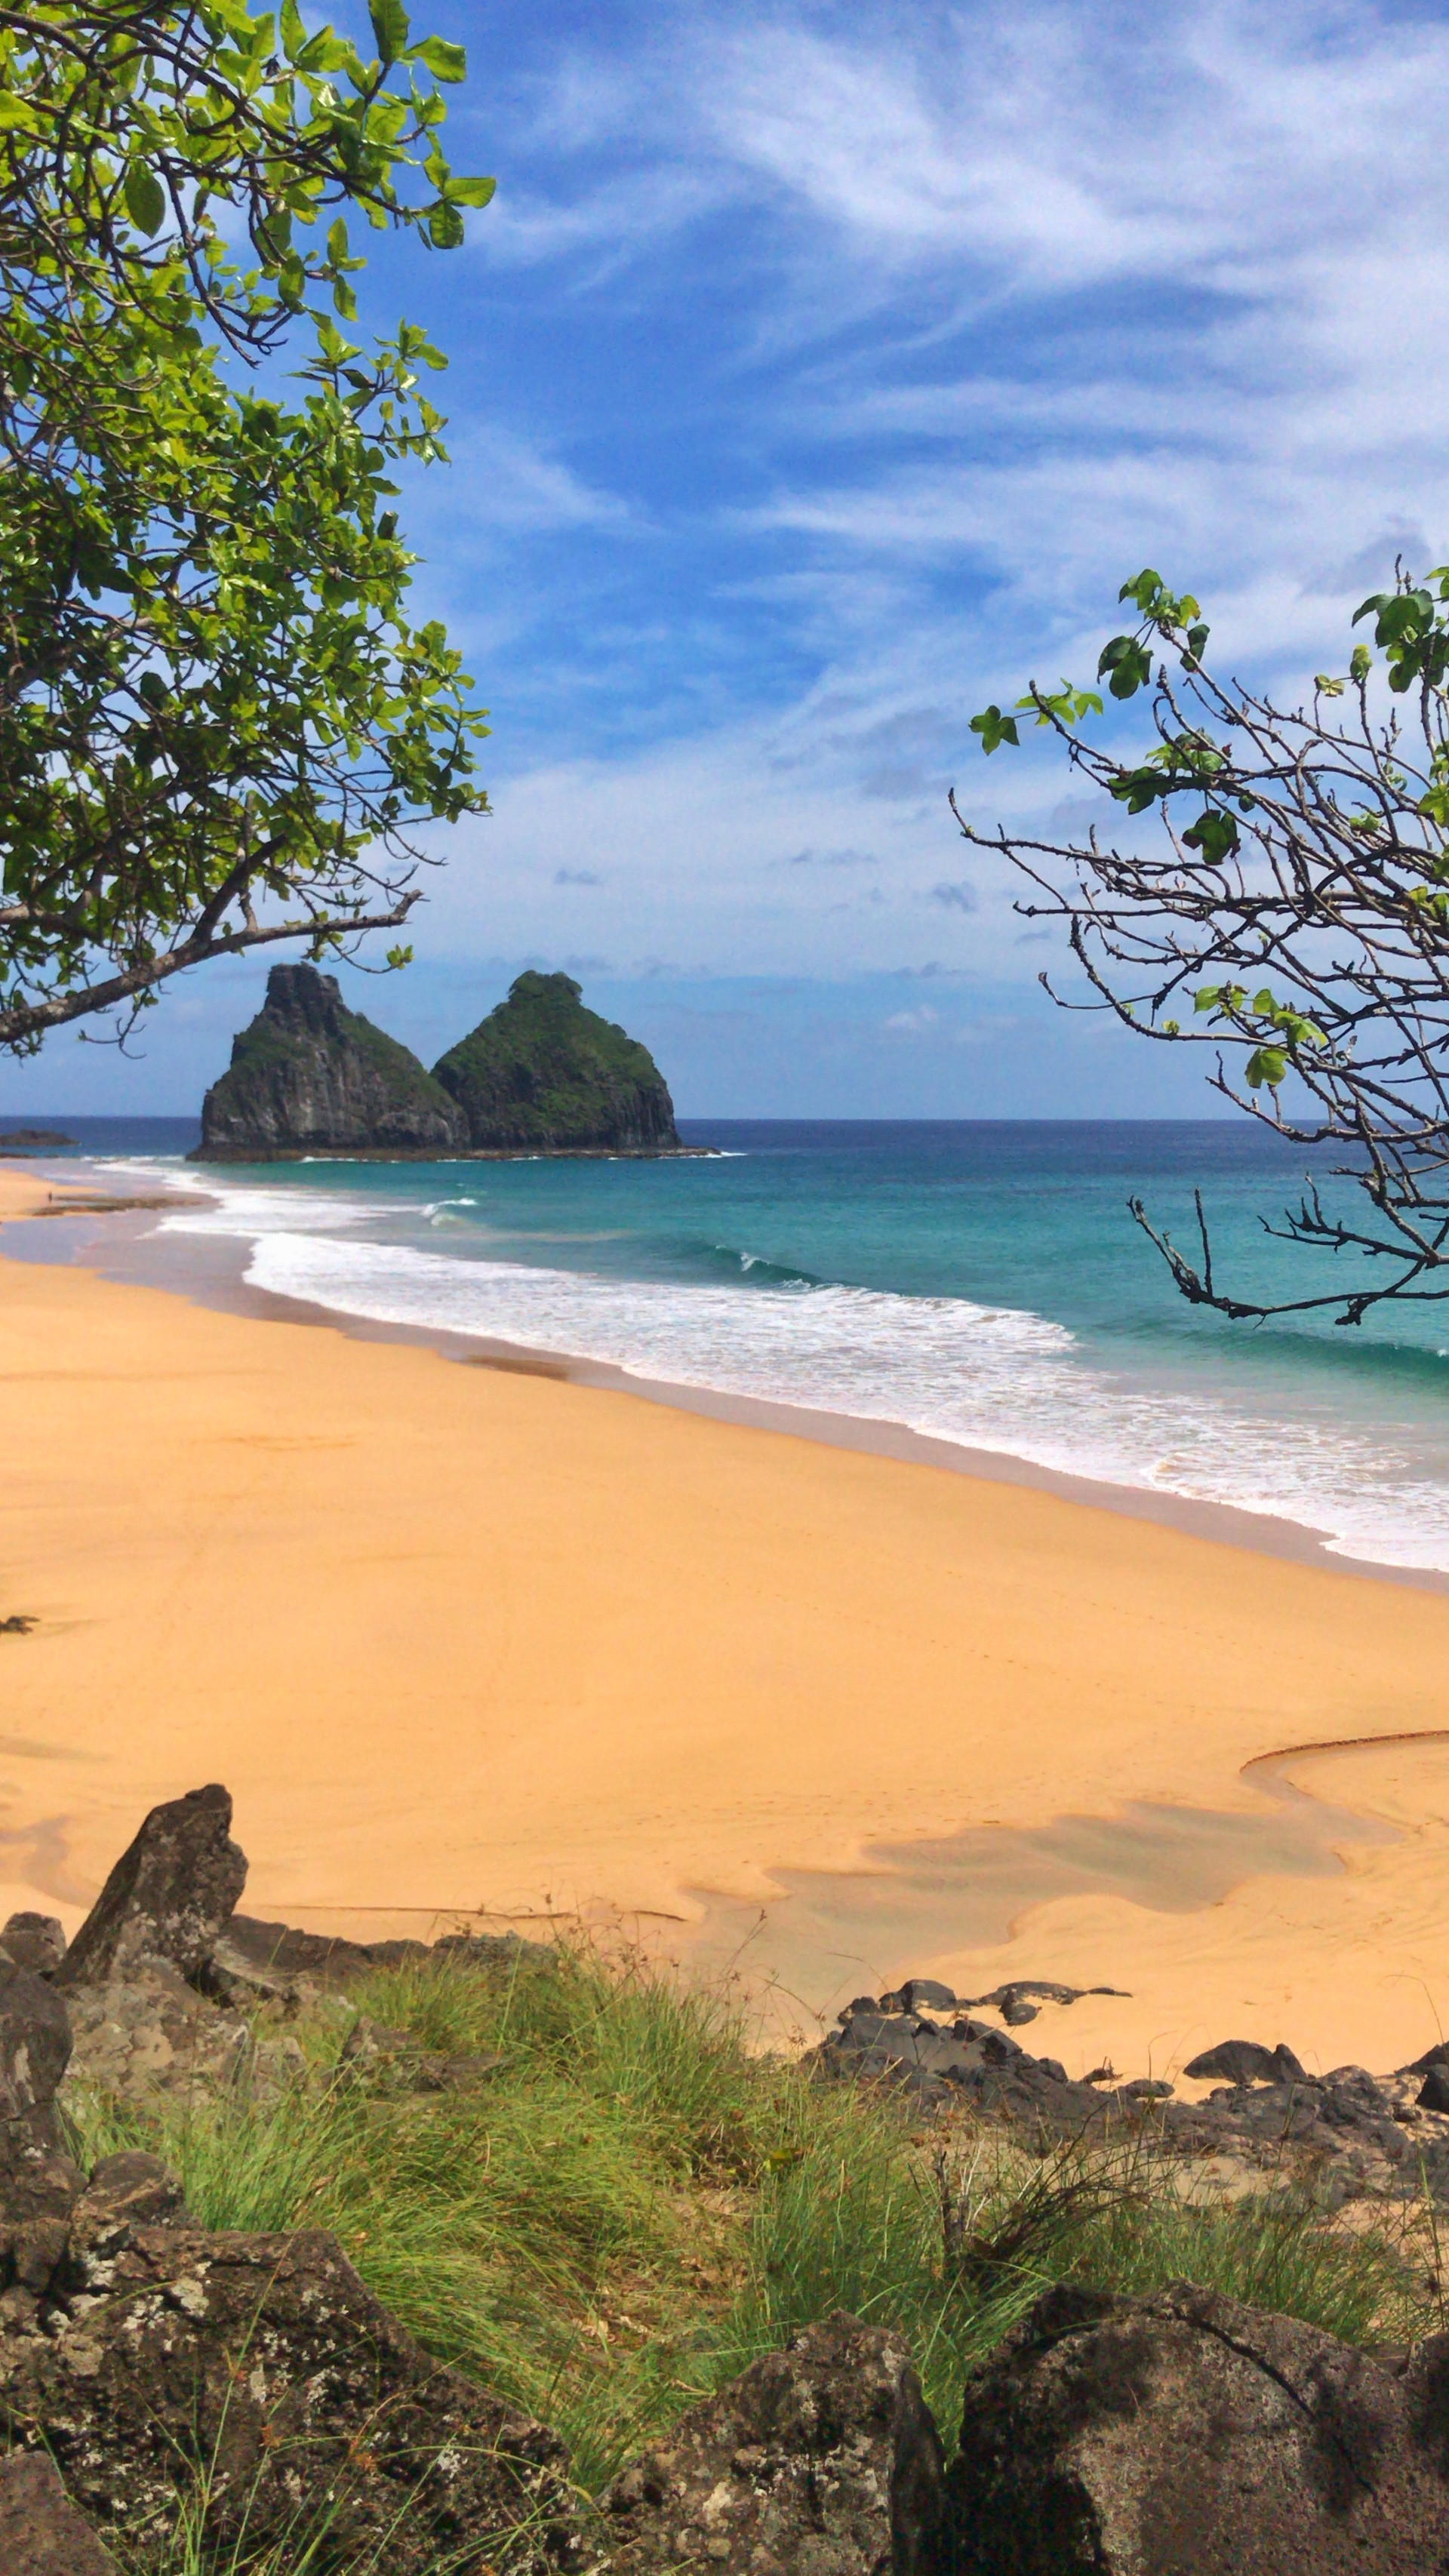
633	2204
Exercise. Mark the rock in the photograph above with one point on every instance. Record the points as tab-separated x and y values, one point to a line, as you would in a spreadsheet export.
34	1941
308	1076
168	1895
1433	2094
542	1073
1005	1998
1242	2061
263	2361
1438	2055
918	1994
1185	2435
41	2533
150	2032
818	2461
272	1959
32	1139
38	2181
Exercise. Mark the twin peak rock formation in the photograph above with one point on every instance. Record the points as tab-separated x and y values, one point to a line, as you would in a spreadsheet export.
539	1075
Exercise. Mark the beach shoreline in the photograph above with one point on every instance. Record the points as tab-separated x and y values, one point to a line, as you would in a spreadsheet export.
506	1643
210	1270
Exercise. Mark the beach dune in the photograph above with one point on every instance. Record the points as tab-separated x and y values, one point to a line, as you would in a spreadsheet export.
460	1638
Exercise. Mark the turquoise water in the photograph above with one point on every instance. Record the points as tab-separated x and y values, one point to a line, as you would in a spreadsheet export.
979	1282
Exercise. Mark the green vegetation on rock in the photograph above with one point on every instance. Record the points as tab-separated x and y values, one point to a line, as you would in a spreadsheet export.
631	2204
309	1076
543	1072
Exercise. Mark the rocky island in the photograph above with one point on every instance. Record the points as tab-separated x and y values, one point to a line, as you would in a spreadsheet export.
308	1076
544	1075
541	1074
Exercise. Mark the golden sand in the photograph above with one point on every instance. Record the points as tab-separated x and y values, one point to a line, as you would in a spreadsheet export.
458	1638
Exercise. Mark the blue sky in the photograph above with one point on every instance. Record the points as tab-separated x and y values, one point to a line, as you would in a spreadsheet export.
817	374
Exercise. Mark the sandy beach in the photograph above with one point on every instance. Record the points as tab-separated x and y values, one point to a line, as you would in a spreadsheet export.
462	1638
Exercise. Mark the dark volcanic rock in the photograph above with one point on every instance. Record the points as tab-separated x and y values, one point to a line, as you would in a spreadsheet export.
168	1895
35	1941
820	2461
41	2533
38	2182
311	1077
252	1959
1184	2435
542	1072
1244	2061
262	2360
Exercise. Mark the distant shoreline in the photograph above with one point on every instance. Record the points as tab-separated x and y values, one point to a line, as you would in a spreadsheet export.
459	1154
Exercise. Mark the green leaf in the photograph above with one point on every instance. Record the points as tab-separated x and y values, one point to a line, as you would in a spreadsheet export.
294	34
390	28
14	111
1214	834
1361	662
1125	665
1265	1064
445	227
145	198
995	729
446	62
469	192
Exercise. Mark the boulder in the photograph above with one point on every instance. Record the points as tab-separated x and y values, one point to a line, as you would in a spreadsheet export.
41	2533
1244	2061
543	1074
308	1076
35	1941
167	1897
1185	2435
171	2359
821	2461
38	2182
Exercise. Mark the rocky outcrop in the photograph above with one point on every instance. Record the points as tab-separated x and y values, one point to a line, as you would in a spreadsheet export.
41	2533
821	2459
258	2370
1385	2135
38	2182
1184	2435
168	1896
311	1077
541	1074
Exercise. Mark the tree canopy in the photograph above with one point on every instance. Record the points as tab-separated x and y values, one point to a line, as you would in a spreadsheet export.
1289	912
217	724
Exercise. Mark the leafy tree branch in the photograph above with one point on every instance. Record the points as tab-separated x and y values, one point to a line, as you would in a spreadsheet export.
1292	916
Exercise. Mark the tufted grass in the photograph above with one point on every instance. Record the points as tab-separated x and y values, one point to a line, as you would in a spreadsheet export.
634	2204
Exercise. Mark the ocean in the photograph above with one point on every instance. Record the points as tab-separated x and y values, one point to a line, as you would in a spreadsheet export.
979	1282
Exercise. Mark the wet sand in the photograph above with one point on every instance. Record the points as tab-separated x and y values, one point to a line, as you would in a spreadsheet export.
473	1638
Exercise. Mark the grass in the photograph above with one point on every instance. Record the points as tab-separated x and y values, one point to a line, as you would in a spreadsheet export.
633	2205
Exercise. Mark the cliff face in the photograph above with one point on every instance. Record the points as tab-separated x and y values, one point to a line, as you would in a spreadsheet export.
542	1072
311	1077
